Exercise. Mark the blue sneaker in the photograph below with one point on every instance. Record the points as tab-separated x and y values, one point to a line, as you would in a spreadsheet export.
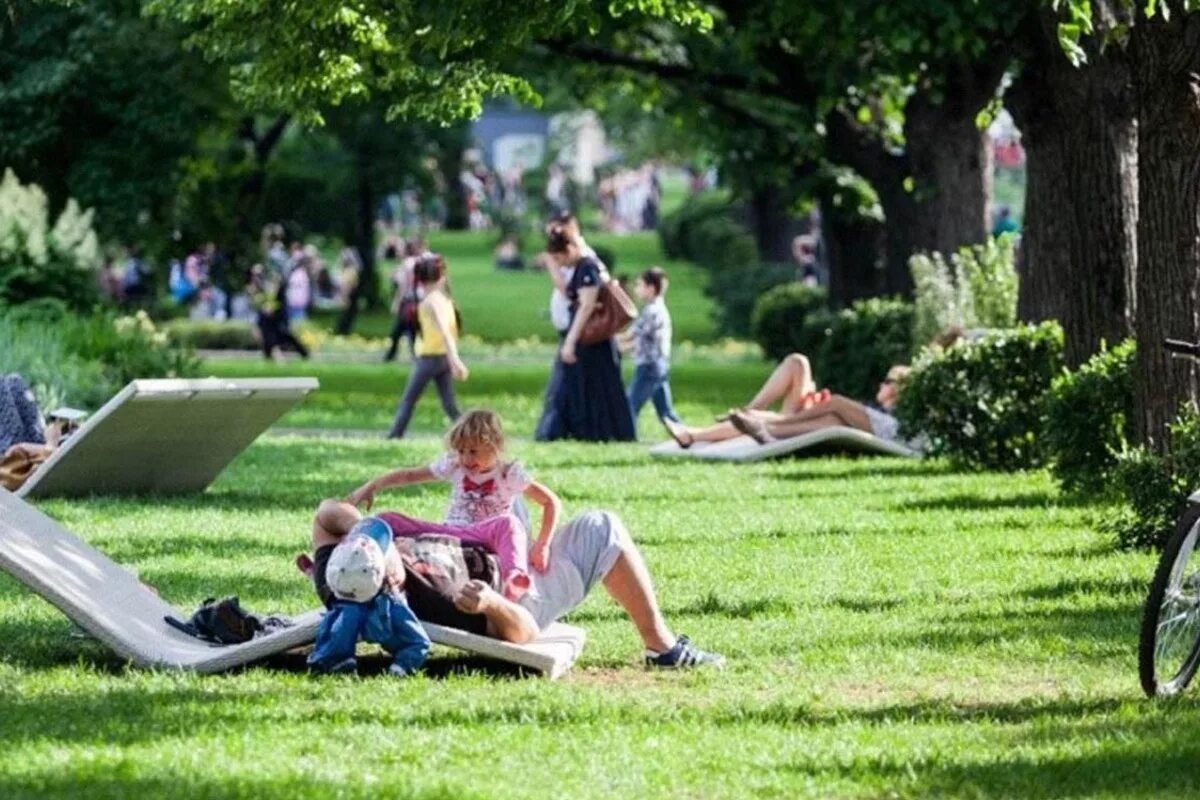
347	666
684	656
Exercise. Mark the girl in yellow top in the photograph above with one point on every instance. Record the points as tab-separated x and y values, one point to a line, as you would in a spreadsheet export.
437	349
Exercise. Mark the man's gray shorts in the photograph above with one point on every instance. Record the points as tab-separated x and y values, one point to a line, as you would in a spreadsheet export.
581	554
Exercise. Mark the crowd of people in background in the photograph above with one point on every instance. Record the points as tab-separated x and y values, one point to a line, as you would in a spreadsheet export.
630	199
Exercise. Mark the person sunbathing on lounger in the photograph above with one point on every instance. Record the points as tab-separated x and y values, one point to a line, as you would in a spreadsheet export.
803	408
592	548
837	411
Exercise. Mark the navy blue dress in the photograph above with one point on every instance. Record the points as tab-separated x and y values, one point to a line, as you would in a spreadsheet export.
587	399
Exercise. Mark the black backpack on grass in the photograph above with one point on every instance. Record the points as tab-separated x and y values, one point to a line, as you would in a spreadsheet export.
221	621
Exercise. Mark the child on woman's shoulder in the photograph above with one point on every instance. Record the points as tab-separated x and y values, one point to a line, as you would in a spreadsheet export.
483	488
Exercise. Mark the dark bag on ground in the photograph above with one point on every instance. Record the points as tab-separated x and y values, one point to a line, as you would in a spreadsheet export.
224	622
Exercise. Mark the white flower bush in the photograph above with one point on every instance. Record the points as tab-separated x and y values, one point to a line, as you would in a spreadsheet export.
40	260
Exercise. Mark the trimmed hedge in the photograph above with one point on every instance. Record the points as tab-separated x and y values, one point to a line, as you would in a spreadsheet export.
211	335
850	350
981	402
855	347
1155	488
1087	416
781	316
736	291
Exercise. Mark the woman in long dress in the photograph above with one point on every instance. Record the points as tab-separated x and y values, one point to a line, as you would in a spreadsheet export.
589	401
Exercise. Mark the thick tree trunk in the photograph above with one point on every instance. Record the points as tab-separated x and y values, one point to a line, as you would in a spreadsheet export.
1167	80
856	267
1078	253
858	148
771	224
950	161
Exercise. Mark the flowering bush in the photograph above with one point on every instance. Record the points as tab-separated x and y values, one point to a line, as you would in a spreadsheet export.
976	287
129	348
38	260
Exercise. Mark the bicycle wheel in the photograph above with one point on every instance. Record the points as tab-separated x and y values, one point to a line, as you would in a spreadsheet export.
1169	647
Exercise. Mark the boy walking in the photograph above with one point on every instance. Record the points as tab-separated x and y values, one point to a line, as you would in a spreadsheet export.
652	347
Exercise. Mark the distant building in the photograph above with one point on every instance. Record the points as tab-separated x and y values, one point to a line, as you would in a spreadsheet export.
508	135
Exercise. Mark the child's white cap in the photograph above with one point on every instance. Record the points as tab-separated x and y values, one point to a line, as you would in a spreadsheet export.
356	569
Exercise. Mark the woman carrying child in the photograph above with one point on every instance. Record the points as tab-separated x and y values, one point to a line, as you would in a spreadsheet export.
483	489
437	357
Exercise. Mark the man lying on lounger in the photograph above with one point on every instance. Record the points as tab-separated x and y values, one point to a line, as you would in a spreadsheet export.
592	548
804	410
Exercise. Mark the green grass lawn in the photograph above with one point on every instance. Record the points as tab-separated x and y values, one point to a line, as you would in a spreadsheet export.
364	396
894	629
522	298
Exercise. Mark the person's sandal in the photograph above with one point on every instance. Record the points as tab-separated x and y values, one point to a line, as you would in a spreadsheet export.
755	429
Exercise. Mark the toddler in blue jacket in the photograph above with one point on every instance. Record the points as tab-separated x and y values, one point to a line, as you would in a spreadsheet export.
360	581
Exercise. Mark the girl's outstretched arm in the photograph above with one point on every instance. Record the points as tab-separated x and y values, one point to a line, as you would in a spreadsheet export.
365	494
539	553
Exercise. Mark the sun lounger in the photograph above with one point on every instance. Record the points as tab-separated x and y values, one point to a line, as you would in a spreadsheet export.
826	440
168	436
110	603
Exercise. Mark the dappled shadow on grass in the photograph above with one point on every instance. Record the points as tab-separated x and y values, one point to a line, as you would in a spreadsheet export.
1106	586
975	502
46	643
1110	627
375	665
864	467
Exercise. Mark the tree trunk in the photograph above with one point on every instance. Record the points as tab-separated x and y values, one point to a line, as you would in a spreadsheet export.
950	161
450	164
855	257
1078	253
771	224
858	148
367	289
1166	66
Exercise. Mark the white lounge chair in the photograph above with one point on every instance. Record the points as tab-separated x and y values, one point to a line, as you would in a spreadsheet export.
838	439
110	603
169	436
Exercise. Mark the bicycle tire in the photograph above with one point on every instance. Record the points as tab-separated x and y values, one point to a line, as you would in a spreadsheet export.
1187	527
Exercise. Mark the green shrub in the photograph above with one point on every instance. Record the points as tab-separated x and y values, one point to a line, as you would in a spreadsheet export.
38	260
128	348
37	350
674	229
982	402
211	335
852	349
1155	488
1087	413
780	316
735	291
83	361
976	288
719	243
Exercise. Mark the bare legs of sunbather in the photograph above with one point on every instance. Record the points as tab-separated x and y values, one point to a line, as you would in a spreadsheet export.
837	411
791	385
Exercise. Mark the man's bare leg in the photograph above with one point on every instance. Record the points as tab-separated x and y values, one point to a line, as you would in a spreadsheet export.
629	584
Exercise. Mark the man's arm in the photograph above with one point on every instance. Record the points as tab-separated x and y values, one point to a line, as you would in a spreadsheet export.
505	619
